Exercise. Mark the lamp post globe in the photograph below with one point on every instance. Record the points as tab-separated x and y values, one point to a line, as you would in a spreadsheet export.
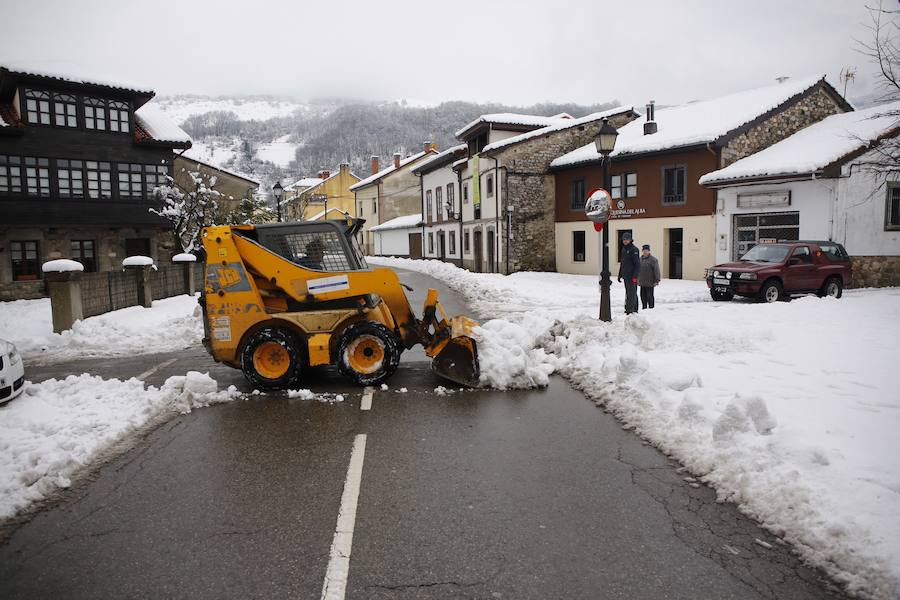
605	142
278	192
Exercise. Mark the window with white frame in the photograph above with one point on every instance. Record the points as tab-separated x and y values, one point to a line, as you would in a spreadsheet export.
95	114
466	193
466	242
489	185
118	117
99	179
452	242
155	176
37	107
892	214
439	202
428	206
623	186
130	181
430	243
65	112
10	175
70	177
450	196
37	177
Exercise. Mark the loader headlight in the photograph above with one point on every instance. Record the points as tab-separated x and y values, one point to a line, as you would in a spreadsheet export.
747	276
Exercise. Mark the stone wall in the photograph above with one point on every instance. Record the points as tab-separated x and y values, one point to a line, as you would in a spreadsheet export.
530	191
875	271
22	290
804	112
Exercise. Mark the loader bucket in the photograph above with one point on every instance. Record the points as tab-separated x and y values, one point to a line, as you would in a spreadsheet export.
458	359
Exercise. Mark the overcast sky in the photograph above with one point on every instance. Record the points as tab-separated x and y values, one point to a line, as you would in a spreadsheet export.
518	52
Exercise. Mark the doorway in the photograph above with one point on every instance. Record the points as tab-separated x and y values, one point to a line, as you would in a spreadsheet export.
675	251
491	251
415	245
477	250
442	245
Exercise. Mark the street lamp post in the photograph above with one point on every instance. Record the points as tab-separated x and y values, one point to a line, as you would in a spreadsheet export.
278	191
605	142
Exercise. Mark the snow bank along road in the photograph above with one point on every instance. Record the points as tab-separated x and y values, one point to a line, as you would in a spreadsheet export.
789	410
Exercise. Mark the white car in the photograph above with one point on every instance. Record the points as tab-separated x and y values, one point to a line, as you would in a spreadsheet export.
12	372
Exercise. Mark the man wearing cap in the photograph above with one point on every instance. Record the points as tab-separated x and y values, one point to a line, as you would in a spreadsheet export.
629	270
649	276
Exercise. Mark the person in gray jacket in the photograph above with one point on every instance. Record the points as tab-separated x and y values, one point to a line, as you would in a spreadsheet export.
648	277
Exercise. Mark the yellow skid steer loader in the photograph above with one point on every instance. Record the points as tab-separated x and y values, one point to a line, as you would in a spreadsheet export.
282	297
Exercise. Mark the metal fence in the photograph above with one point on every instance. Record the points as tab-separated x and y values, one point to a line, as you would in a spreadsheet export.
111	290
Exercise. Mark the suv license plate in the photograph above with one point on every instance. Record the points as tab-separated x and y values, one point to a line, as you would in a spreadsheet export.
718	281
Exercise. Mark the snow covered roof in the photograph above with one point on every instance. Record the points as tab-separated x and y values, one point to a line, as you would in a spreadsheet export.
322	213
564	124
815	147
75	75
515	119
438	159
197	158
404	222
159	127
306	182
385	172
697	122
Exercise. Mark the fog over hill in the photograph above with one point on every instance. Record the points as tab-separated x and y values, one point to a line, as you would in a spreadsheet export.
281	139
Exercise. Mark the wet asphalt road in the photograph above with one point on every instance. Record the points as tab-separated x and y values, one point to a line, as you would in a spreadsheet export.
476	494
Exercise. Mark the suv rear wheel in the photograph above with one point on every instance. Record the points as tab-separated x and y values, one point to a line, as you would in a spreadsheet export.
770	291
833	287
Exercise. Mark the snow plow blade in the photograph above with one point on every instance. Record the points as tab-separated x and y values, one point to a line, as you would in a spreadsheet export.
458	359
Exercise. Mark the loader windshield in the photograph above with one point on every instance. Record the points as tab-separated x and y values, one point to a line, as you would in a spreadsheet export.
319	246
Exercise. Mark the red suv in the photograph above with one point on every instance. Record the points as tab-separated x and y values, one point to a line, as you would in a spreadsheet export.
773	272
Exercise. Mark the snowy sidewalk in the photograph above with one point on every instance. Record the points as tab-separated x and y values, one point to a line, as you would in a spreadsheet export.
170	324
789	410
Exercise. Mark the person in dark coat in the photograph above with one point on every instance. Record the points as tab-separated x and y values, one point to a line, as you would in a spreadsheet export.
649	276
629	270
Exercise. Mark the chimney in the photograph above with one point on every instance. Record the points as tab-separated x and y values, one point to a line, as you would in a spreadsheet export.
324	174
650	127
396	160
344	167
374	165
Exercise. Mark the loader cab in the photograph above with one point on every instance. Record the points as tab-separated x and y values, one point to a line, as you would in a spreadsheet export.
329	246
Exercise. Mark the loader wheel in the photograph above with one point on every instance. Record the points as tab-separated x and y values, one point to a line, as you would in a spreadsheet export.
272	359
368	353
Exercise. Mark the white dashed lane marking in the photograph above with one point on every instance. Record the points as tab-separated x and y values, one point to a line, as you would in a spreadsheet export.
366	403
335	586
153	370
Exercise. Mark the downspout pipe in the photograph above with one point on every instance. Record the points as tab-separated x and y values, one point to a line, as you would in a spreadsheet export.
422	208
462	246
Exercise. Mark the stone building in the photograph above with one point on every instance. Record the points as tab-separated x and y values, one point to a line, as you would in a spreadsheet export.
505	189
315	198
827	182
656	167
79	160
232	186
388	193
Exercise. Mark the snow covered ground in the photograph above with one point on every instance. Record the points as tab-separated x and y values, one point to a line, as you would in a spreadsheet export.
279	151
790	410
59	426
170	324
